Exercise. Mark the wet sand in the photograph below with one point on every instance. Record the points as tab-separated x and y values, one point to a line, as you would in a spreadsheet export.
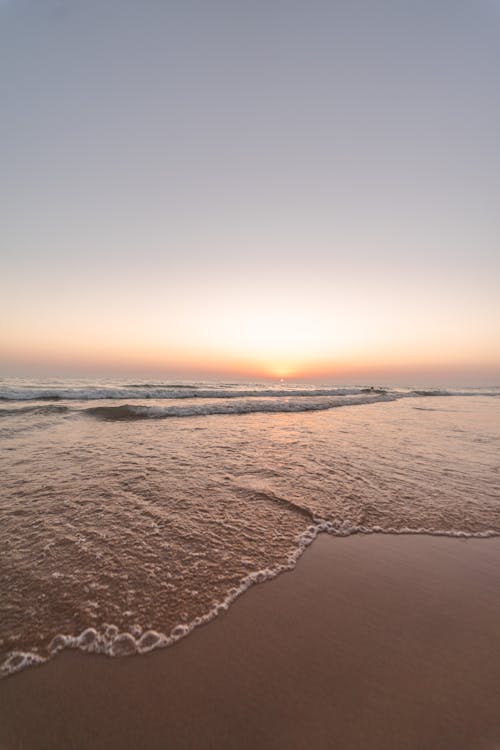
372	642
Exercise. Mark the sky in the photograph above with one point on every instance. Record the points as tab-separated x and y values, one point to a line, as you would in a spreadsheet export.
290	189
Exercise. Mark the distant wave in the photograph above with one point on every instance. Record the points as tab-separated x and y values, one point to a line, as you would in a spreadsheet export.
177	391
160	385
437	392
43	410
145	391
443	392
131	411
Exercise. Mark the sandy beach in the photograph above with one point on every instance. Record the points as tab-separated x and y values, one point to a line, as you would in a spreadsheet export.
386	642
250	375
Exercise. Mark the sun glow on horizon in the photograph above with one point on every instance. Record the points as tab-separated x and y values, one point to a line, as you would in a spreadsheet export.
270	329
175	212
293	333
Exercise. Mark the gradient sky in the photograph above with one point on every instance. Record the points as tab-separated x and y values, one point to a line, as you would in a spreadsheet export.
266	189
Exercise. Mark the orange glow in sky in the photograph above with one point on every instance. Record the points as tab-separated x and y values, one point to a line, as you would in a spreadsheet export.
298	332
265	190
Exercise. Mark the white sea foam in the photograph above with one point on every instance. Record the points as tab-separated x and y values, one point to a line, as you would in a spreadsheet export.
18	660
110	641
14	391
99	393
272	405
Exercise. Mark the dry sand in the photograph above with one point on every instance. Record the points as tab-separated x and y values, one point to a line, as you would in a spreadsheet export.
372	642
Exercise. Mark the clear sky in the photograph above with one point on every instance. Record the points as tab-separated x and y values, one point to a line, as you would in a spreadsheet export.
277	188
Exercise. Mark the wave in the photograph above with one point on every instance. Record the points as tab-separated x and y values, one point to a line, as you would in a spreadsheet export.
150	391
42	410
442	392
158	392
131	411
222	401
437	392
161	385
113	642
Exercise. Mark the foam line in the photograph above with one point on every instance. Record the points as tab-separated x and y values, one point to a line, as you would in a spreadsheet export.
112	642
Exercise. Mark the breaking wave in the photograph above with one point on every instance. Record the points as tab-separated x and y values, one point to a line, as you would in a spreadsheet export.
131	411
33	410
110	641
150	391
81	391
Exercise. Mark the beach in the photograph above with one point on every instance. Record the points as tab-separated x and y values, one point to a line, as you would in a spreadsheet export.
250	375
373	641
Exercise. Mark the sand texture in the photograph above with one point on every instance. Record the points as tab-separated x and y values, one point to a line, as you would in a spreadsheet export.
380	642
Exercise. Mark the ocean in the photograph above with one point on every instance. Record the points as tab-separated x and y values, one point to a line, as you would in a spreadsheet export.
131	512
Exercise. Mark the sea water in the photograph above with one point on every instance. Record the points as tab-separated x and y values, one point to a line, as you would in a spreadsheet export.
131	512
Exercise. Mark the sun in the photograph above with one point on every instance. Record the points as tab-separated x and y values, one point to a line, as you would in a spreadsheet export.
281	372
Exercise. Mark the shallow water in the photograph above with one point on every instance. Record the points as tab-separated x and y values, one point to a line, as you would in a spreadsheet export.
131	513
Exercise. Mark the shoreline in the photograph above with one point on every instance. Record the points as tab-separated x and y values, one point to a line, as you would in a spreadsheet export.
92	641
370	641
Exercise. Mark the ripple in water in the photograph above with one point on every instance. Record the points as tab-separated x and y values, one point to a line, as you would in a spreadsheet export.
121	536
